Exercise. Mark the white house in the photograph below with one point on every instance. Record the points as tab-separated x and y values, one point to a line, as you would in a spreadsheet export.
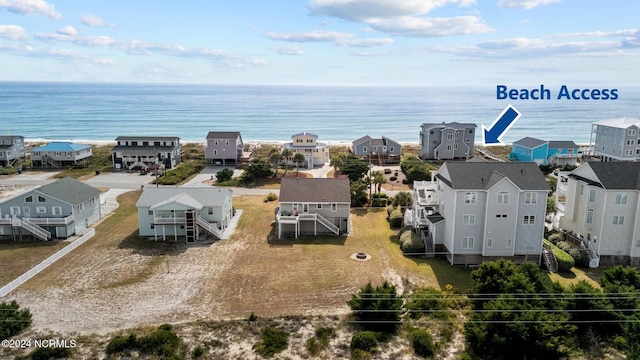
315	153
474	212
602	210
166	213
617	139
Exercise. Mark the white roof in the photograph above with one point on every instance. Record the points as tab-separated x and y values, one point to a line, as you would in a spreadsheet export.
621	123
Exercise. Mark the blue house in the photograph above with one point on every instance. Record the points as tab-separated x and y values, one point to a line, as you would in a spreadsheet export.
543	152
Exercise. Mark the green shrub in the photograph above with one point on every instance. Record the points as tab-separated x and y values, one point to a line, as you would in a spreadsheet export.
410	242
428	302
48	353
320	341
381	202
396	217
271	197
197	352
556	238
422	343
565	261
405	181
224	175
313	346
380	195
120	343
253	316
620	343
387	171
393	178
272	341
162	341
180	173
12	320
390	209
364	340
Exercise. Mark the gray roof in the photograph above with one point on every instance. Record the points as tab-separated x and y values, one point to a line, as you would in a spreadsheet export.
453	125
69	190
529	142
204	196
482	176
315	190
361	140
147	138
560	144
620	175
304	133
231	135
143	150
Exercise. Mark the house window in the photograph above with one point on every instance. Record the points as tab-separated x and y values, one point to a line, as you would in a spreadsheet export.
210	210
215	142
490	242
56	210
92	202
621	199
457	135
14	210
581	189
449	135
530	198
81	207
152	226
628	152
529	220
509	243
364	149
589	219
501	216
618	220
470	198
503	197
592	195
215	151
631	142
469	219
455	146
29	199
467	242
449	148
41	210
318	206
334	207
150	212
226	142
631	132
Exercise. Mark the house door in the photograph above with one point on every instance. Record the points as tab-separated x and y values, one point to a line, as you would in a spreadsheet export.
14	211
305	208
26	210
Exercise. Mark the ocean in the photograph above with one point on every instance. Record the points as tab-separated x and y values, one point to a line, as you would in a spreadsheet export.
103	111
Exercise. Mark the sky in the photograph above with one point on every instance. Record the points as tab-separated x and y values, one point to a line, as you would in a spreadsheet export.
519	43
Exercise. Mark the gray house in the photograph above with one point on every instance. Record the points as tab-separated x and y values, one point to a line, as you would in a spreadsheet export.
475	212
314	206
56	210
223	147
184	213
617	139
447	141
381	150
11	149
146	151
602	211
60	154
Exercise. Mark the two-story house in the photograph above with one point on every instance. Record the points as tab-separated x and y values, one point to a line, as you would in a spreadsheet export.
380	150
314	206
616	139
184	213
60	154
146	151
223	147
474	212
57	210
544	152
447	141
602	210
315	153
11	149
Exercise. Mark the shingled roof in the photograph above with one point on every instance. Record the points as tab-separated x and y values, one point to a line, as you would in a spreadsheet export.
620	175
529	142
69	190
315	190
482	176
231	135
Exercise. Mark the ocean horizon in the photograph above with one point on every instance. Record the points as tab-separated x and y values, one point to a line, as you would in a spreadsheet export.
99	112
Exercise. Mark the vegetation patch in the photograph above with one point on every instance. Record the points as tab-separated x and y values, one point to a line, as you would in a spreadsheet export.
565	261
13	320
181	172
163	342
272	341
410	242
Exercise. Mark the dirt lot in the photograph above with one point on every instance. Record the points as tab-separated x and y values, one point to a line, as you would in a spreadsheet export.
110	283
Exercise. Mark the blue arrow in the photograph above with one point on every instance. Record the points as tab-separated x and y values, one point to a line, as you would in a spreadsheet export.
500	126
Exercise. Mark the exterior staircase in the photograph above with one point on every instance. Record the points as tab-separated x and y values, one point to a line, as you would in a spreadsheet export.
428	245
549	259
326	223
208	227
34	229
51	162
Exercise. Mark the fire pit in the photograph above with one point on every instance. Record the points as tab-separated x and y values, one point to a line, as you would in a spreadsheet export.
360	256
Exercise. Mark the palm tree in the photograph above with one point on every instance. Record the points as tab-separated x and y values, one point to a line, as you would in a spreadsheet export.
378	180
298	158
285	155
274	159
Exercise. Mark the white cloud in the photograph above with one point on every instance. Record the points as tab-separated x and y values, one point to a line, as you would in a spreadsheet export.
592	34
365	43
68	30
525	4
13	32
31	7
310	36
287	50
362	10
431	27
92	20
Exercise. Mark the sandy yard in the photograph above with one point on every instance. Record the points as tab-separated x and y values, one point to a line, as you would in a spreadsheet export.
118	281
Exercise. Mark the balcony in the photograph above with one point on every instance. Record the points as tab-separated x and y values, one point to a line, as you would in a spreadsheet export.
53	221
168	220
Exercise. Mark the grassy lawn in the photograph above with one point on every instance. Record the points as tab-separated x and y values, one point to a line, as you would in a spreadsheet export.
100	161
17	258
